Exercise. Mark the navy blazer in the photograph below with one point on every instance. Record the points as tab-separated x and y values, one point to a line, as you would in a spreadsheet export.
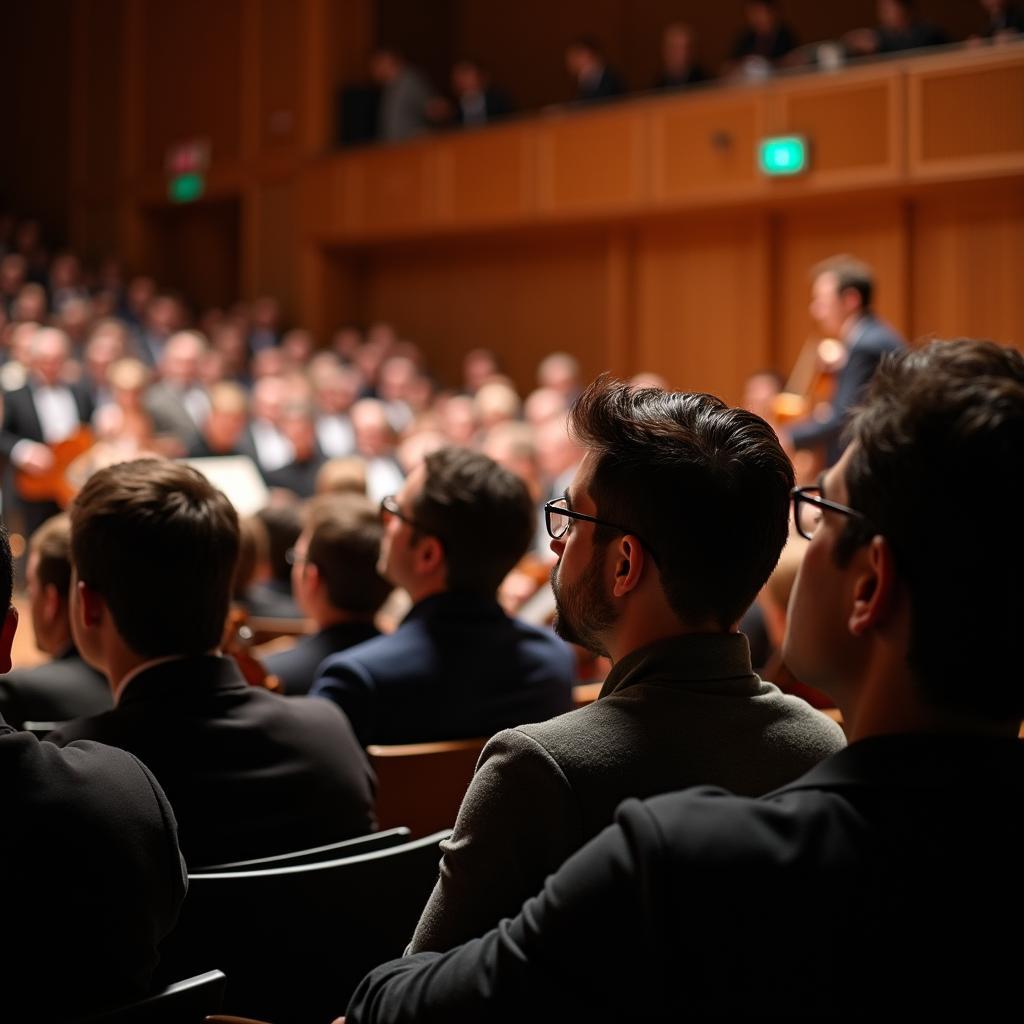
248	773
873	339
456	668
884	877
296	666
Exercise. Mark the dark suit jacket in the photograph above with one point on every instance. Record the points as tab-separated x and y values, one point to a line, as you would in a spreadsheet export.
248	773
21	421
872	339
90	876
496	105
297	477
271	600
457	667
883	877
297	666
607	86
54	692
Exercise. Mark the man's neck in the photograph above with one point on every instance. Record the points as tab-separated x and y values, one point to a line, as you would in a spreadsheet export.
628	638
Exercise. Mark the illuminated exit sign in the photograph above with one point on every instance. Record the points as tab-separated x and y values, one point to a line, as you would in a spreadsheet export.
783	155
186	164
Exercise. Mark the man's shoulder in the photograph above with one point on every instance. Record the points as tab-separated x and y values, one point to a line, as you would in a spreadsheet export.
878	337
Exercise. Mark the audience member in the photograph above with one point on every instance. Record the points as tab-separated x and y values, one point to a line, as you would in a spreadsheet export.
899	28
299	475
923	802
404	96
39	415
90	860
707	489
457	667
560	372
225	426
178	403
64	687
270	595
1003	20
595	80
765	41
841	304
248	773
163	316
679	67
375	442
477	101
335	583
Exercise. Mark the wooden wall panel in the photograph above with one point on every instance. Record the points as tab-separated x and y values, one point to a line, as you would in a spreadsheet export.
276	241
192	77
874	231
97	129
968	254
523	299
966	116
280	69
593	161
702	308
706	145
854	125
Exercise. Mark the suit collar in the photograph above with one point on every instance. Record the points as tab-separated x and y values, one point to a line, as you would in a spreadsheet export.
454	604
199	674
918	761
715	658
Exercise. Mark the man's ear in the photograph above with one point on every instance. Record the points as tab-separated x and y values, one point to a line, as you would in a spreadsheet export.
91	606
630	559
51	603
429	555
875	587
7	631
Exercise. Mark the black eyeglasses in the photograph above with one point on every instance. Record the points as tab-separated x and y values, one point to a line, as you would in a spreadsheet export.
389	507
558	518
808	506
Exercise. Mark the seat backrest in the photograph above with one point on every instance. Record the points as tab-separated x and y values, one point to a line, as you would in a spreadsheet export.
316	854
421	785
296	940
188	1000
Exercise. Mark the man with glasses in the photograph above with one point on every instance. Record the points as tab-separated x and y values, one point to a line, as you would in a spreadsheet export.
669	529
884	876
457	667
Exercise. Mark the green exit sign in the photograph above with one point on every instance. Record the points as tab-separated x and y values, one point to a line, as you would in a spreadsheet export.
186	188
783	155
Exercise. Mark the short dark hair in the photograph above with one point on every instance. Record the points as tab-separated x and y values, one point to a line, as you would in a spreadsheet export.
6	568
850	273
283	525
936	471
52	544
159	543
704	485
481	513
344	545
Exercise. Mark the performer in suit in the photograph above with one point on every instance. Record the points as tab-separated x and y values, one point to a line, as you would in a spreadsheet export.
707	487
43	412
595	80
336	584
92	877
458	666
65	687
248	773
903	610
841	299
477	102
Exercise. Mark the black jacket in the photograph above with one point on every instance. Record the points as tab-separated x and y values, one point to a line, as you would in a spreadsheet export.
55	691
248	773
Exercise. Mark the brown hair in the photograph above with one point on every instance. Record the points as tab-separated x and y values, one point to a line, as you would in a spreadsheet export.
52	544
705	486
159	543
936	471
849	272
344	545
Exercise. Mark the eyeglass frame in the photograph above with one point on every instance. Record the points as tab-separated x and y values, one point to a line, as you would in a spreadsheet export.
800	494
571	513
389	505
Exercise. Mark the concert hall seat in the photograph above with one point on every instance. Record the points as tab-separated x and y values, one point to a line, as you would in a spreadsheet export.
295	941
188	1000
421	785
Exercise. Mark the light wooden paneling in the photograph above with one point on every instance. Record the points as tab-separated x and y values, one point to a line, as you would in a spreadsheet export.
706	145
276	241
595	161
966	115
524	299
487	177
702	306
874	231
968	256
854	125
